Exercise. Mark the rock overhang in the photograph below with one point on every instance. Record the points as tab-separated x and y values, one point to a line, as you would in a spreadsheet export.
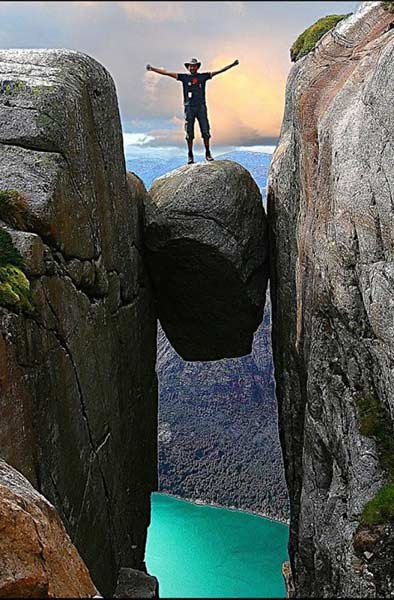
206	248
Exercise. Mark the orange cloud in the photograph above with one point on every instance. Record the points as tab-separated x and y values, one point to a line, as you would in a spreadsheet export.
246	101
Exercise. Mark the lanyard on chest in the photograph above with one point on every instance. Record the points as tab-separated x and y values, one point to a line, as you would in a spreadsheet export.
193	85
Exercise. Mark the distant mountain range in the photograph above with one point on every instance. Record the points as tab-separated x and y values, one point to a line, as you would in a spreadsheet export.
149	168
218	435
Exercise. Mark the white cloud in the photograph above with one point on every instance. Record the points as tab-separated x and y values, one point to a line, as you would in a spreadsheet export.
237	7
154	11
265	149
136	139
151	83
156	152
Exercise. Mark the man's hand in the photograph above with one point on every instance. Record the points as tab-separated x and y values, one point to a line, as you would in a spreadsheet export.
161	71
233	64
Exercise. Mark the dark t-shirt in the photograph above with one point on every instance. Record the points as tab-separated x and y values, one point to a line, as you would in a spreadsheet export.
193	87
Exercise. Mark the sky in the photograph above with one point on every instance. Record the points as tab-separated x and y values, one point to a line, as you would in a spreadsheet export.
245	104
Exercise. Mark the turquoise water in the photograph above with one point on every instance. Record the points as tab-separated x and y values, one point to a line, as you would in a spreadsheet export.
200	551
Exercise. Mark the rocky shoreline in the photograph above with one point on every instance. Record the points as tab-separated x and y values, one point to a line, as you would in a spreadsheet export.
202	502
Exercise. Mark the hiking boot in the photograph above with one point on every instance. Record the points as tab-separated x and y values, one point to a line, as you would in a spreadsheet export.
208	156
190	159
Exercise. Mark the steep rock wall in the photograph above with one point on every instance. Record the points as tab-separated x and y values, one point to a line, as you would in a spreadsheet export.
78	403
330	209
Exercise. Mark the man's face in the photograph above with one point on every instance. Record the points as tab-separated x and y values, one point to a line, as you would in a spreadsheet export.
193	69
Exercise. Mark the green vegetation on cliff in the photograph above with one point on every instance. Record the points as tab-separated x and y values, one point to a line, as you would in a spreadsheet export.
380	510
9	255
14	285
375	422
388	6
307	41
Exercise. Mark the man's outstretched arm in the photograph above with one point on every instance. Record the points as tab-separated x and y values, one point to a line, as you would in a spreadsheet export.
161	71
233	64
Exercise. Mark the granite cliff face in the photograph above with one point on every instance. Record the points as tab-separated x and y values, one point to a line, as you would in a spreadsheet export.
78	404
37	558
206	248
78	407
330	209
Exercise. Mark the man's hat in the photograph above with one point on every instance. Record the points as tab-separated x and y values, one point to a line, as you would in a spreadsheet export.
193	61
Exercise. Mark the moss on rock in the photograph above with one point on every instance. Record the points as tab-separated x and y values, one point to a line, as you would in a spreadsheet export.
14	288
307	41
375	422
379	510
9	255
389	6
14	285
13	87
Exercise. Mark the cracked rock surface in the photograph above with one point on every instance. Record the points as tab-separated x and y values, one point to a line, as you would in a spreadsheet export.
206	250
330	211
78	385
37	558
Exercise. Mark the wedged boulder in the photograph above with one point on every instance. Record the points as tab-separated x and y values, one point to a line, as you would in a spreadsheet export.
77	372
206	247
37	557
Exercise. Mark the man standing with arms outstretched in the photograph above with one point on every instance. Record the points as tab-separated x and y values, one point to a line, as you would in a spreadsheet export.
194	101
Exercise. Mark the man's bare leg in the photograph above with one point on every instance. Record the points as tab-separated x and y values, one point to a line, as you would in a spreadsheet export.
207	150
190	158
